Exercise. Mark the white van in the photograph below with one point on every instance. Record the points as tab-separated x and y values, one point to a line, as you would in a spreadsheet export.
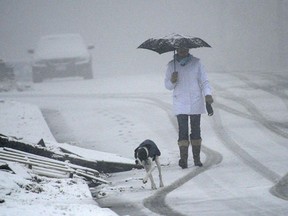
61	56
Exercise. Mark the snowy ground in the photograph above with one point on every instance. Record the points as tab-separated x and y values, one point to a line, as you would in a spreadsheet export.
26	193
245	142
46	196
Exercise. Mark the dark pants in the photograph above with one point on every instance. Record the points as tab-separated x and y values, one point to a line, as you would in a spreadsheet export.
183	126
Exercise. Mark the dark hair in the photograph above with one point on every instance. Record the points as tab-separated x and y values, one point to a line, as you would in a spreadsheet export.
142	154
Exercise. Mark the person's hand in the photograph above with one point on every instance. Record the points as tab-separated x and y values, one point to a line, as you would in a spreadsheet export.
174	77
209	99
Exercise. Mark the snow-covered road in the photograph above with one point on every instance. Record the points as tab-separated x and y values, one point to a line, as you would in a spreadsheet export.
245	141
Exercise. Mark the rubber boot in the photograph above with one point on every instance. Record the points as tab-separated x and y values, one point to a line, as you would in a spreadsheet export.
183	147
196	148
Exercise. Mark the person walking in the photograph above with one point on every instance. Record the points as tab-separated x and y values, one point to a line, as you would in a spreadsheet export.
191	89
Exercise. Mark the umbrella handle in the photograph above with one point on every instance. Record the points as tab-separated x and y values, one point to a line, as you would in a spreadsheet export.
174	61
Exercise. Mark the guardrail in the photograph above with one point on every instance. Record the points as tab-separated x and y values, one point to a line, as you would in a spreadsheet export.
49	167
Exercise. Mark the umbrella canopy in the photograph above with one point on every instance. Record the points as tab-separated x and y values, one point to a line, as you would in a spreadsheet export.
172	42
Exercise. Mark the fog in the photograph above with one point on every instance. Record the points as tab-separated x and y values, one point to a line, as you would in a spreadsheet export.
244	35
248	38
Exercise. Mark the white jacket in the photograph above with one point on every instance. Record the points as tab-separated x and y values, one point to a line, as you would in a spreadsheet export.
190	89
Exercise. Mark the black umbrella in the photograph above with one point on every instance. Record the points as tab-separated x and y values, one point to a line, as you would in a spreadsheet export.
172	42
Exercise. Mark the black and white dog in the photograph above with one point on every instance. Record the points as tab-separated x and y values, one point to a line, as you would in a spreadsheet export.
145	154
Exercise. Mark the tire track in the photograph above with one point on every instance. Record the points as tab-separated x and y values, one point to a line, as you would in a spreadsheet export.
156	202
276	90
280	188
233	146
254	114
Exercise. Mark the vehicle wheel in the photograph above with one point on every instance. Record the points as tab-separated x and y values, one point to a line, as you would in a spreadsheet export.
89	72
36	76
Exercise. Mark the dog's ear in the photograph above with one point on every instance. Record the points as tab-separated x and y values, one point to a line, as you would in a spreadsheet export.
135	153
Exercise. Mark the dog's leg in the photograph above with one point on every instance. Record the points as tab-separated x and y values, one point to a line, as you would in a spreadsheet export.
148	168
148	174
159	170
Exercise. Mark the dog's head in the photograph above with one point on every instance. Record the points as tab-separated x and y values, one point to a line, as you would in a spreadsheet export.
141	155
